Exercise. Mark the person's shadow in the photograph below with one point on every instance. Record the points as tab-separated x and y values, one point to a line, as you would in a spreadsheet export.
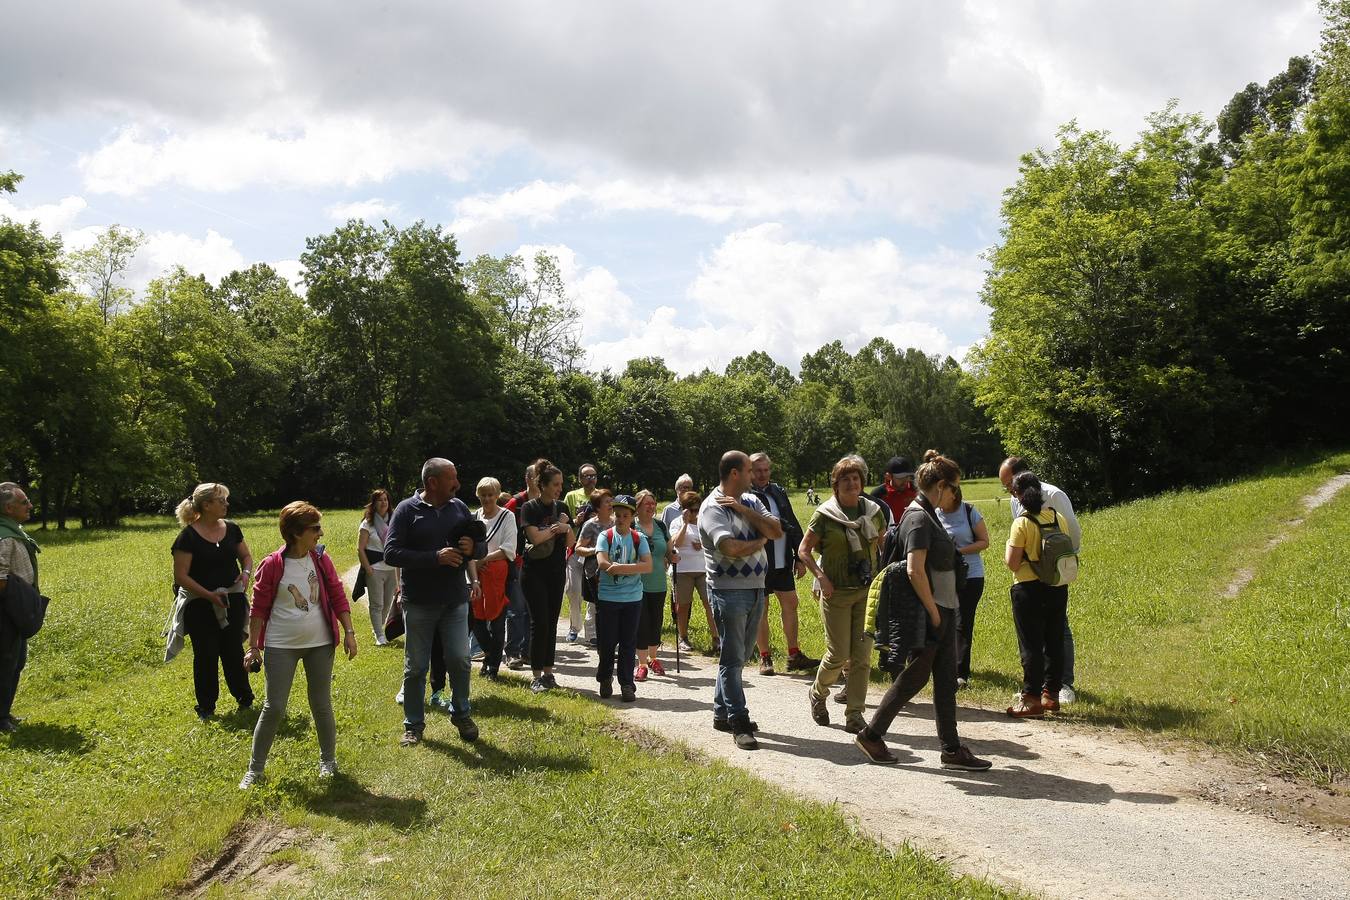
483	754
1021	783
47	737
840	753
346	798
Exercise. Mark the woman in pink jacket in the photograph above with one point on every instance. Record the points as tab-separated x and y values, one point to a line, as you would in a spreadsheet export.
298	604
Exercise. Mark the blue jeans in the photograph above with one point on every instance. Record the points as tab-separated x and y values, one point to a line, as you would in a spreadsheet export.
737	614
422	623
517	620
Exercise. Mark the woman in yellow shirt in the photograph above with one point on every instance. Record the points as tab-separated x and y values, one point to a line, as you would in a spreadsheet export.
1039	609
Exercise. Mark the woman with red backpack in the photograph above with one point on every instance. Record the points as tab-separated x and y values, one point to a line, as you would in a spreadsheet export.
487	615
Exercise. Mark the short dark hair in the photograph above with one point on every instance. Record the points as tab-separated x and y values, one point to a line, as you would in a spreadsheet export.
732	461
1026	487
584	466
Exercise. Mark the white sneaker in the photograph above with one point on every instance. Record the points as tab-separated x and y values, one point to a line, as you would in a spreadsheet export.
398	698
249	780
327	769
1066	695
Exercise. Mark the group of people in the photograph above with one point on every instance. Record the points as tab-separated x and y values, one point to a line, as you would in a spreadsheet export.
900	568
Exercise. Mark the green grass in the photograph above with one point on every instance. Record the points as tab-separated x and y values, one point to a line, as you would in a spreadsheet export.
113	788
1159	648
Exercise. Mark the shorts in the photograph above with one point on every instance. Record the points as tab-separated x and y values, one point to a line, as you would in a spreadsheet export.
780	580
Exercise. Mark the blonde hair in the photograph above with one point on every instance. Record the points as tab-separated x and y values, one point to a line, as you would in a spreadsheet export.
190	509
643	494
488	485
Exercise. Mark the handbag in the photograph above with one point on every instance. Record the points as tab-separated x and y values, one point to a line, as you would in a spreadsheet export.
393	626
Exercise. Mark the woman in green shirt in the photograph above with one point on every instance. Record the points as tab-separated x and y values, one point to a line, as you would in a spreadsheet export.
653	586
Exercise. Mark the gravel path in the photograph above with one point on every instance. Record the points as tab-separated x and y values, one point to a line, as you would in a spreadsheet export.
1065	812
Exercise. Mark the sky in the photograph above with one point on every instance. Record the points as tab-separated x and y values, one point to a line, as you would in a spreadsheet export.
713	177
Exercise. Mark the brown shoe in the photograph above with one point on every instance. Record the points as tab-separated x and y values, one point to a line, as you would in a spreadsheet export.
800	662
1028	706
854	724
841	695
819	713
766	665
1049	702
875	751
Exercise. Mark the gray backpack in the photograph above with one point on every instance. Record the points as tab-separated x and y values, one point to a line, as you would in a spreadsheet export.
1058	565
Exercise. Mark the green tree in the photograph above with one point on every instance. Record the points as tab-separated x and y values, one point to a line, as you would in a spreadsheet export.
101	267
530	306
757	362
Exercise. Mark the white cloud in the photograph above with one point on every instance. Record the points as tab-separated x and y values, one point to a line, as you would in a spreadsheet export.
293	272
763	290
212	255
374	208
52	218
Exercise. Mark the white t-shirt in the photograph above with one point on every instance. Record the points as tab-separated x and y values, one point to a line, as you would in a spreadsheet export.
375	543
780	554
505	535
297	621
691	559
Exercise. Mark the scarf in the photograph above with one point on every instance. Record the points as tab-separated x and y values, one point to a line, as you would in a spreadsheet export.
10	528
857	530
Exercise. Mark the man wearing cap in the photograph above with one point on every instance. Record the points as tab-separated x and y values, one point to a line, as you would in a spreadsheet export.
734	527
784	569
897	489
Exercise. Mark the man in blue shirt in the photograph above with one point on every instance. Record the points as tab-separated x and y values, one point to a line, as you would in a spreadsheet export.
437	589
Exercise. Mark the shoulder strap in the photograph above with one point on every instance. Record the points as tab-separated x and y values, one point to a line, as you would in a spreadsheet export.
665	530
501	517
969	520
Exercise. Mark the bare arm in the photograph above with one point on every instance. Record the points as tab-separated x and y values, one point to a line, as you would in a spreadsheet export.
362	539
1012	557
981	539
246	558
806	557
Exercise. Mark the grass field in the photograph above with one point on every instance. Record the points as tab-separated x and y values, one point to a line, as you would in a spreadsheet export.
113	788
1160	649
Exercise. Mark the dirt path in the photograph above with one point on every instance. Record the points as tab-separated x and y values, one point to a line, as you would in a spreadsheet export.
1068	811
1320	497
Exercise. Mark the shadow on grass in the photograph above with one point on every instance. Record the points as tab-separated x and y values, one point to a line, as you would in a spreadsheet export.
1021	783
51	537
345	798
497	706
1150	715
840	750
483	754
47	737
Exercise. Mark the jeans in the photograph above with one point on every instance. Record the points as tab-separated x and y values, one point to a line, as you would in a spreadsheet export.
212	647
380	587
424	621
13	656
965	628
939	660
1039	612
616	626
517	619
580	614
737	613
1067	677
544	594
491	638
279	672
844	614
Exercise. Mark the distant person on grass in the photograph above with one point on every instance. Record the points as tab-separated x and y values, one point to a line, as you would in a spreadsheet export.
623	556
897	489
488	613
846	529
967	529
429	540
206	564
380	577
1038	608
690	572
654	584
784	569
1055	499
734	528
517	651
930	579
298	605
548	533
580	614
18	561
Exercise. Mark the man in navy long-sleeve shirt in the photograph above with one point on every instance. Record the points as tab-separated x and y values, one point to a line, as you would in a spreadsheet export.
437	589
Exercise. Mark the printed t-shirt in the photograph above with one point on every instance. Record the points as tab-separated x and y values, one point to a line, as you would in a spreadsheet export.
621	588
297	621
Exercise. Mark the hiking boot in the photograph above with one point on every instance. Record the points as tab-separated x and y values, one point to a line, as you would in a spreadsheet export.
468	731
1067	695
656	667
800	662
410	738
744	734
820	714
327	768
250	779
1027	706
627	693
725	725
1049	702
549	681
875	750
766	665
640	674
854	724
537	686
606	689
841	695
964	760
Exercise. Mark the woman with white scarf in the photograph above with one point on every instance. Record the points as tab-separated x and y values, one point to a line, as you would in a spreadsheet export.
381	578
846	530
